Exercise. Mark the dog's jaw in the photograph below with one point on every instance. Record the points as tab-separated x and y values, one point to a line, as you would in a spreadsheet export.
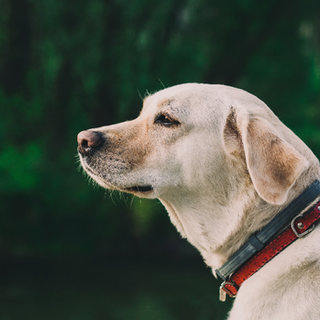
108	181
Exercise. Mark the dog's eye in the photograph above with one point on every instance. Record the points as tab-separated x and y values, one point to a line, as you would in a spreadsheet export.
165	120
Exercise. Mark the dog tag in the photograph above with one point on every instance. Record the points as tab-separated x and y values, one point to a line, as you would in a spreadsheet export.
222	295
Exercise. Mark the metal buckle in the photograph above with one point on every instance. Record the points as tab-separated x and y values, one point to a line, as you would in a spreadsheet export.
223	291
293	227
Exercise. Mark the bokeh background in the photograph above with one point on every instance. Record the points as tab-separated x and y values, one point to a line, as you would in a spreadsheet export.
69	250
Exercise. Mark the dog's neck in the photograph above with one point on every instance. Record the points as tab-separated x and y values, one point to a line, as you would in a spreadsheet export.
217	230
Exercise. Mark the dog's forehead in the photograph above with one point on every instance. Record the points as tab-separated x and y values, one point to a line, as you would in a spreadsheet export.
180	99
208	100
169	96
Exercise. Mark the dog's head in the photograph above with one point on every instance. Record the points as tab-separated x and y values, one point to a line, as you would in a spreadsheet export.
162	149
202	150
189	133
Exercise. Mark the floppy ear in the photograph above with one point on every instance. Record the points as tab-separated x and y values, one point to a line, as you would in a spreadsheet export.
273	164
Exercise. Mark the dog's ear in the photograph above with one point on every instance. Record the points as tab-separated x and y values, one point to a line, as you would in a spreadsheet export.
273	164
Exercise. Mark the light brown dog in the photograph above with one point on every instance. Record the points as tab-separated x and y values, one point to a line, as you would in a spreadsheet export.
223	165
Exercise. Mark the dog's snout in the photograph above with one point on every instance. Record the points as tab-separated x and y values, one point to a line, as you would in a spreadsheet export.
89	140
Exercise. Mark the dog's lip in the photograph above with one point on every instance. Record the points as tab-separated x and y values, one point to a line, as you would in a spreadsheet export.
140	189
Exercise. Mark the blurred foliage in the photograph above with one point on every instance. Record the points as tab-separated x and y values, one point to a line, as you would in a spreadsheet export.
162	291
66	66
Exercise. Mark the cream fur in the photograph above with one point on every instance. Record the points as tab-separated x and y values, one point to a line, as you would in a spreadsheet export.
224	168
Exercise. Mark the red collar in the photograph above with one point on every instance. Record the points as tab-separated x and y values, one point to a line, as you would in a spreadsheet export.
300	226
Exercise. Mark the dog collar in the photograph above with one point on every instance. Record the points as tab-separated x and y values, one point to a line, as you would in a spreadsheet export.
267	243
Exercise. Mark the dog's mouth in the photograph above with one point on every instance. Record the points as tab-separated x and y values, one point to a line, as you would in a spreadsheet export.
140	189
104	182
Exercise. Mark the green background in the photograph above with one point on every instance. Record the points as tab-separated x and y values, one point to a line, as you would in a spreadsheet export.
69	250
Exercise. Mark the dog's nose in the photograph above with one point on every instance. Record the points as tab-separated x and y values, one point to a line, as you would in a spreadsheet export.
89	140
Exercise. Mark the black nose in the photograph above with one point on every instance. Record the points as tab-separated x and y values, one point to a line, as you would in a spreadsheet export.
89	140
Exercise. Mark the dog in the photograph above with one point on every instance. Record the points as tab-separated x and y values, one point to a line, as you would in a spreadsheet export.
224	166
